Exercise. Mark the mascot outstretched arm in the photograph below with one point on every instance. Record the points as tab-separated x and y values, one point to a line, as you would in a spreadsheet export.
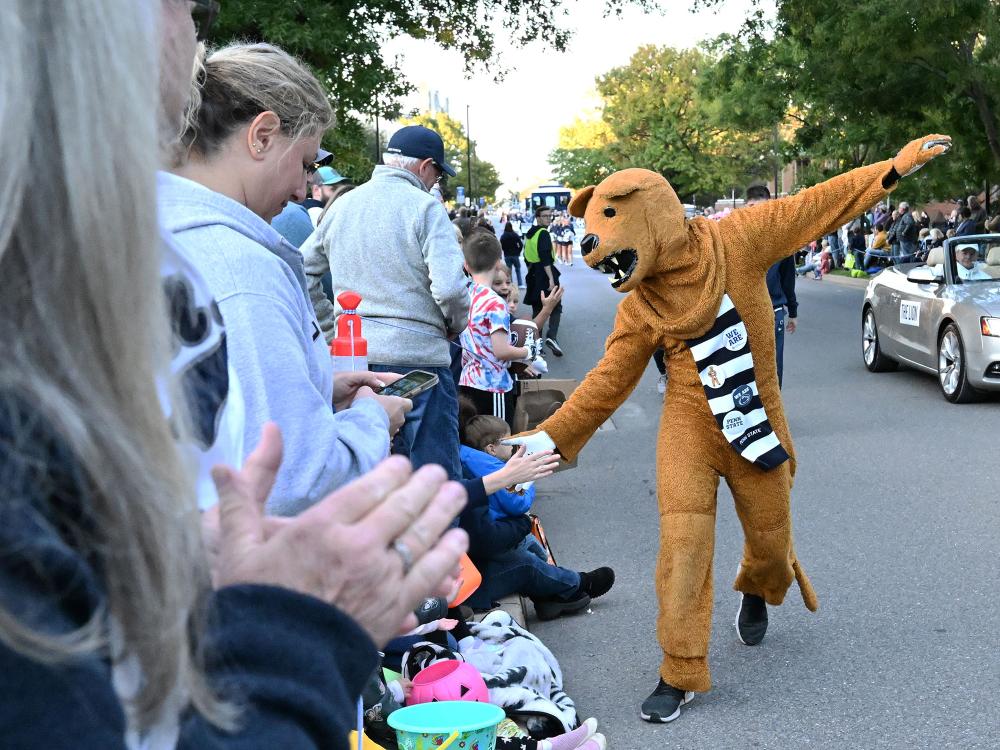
697	289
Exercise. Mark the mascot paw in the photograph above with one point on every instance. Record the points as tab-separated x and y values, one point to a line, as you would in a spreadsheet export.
917	153
532	441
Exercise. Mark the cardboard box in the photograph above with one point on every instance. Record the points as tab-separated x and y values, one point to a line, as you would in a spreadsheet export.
538	400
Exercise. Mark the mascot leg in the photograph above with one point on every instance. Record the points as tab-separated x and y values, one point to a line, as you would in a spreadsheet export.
687	490
763	505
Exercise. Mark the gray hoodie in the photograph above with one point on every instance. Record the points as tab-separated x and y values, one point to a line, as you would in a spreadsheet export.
390	241
275	344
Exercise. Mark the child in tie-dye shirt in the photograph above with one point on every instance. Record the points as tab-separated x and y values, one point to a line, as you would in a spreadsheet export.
486	377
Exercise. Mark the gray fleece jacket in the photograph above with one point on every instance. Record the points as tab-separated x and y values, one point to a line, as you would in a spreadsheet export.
275	345
390	241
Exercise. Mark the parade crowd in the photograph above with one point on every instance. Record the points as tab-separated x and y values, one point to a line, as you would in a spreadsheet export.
888	236
212	536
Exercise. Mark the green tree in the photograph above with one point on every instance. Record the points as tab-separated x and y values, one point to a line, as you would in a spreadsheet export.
660	119
853	80
579	167
485	179
582	157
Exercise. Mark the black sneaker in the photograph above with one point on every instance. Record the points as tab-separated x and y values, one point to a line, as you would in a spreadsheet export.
597	582
751	619
664	703
554	346
550	609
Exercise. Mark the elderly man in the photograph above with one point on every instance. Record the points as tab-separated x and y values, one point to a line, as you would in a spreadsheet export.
968	266
390	241
907	232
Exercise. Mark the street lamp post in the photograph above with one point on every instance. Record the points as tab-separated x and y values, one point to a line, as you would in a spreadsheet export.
468	154
378	151
777	189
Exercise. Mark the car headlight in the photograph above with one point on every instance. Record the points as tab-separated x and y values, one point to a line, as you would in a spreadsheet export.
989	326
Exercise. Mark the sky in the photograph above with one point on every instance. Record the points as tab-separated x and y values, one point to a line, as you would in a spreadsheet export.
515	122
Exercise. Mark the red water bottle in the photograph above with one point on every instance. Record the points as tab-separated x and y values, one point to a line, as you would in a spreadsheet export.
349	348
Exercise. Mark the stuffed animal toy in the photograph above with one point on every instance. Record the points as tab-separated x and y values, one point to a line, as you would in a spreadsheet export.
697	288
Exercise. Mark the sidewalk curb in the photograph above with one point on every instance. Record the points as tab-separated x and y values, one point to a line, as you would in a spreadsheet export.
847	280
513	605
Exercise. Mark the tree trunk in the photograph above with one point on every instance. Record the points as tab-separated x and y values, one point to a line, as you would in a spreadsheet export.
988	118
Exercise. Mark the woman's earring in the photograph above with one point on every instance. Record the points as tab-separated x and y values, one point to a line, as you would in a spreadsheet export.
257	146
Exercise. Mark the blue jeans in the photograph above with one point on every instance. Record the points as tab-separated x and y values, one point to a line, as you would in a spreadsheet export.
430	433
808	267
523	570
779	339
907	252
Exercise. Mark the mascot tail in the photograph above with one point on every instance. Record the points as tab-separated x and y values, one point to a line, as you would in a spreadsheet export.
805	587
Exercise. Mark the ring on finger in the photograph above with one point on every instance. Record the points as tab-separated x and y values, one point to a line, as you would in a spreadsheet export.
403	550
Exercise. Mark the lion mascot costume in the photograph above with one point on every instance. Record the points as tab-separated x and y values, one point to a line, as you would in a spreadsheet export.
697	288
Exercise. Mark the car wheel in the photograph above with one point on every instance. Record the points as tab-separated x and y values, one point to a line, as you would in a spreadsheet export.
875	360
952	368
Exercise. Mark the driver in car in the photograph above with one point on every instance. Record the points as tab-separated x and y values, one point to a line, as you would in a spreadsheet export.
968	268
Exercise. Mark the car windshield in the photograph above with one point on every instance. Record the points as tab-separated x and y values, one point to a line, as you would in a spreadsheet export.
976	260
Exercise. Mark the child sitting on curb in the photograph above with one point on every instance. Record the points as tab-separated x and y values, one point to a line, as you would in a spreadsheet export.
510	559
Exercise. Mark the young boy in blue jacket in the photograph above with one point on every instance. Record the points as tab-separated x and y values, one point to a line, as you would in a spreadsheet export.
510	558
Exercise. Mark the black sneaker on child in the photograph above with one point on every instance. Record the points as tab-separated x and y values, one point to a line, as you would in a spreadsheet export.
550	609
554	346
664	703
597	582
751	619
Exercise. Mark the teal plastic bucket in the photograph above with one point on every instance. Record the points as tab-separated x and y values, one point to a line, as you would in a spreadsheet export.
427	726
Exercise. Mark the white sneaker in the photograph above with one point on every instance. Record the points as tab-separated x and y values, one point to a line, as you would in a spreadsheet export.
661	384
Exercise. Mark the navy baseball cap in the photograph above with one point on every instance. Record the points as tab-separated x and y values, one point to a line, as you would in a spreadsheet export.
420	143
323	157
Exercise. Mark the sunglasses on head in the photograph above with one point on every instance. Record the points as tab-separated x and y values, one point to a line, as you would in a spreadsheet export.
204	14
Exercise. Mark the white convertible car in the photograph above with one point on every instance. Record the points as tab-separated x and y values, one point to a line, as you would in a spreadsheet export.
942	317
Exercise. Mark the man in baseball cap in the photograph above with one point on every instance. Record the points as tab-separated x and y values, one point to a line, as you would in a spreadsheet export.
390	241
422	143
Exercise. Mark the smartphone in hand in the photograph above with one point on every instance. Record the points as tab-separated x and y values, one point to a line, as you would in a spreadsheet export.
411	385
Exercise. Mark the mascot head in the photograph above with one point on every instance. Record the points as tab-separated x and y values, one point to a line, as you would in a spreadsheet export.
634	225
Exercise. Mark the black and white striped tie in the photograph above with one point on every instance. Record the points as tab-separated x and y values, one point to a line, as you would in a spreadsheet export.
725	366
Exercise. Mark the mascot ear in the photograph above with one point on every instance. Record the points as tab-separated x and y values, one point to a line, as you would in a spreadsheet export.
578	206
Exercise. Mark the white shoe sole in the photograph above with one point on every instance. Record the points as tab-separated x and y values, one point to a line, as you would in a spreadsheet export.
736	622
688	697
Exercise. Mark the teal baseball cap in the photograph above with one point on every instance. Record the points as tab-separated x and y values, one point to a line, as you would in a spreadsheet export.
330	176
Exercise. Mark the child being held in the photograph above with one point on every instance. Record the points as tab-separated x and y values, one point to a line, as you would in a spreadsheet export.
503	285
509	557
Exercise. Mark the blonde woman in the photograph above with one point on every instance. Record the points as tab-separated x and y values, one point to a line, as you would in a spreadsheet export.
110	633
253	134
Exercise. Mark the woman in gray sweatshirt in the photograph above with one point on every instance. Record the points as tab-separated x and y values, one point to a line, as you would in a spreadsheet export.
256	131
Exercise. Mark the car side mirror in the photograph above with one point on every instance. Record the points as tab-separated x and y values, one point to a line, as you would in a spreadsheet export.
925	275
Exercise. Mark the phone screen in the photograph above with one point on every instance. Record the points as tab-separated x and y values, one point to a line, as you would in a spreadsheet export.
411	384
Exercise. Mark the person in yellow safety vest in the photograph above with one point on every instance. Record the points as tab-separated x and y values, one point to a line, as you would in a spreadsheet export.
542	276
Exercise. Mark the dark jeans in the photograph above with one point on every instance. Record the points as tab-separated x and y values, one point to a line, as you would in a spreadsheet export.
779	340
523	570
553	325
661	366
514	266
430	433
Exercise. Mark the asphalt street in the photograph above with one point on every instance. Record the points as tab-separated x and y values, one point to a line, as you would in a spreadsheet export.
896	522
